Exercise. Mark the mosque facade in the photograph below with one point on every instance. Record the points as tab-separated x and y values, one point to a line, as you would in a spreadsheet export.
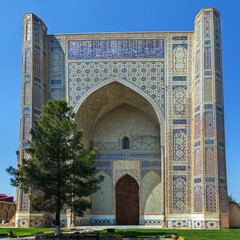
152	103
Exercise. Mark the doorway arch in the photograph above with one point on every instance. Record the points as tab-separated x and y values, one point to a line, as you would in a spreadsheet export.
127	201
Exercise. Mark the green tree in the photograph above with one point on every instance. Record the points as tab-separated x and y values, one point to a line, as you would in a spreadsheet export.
59	170
231	198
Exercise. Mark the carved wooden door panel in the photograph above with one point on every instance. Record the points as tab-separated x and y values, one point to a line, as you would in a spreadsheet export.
127	201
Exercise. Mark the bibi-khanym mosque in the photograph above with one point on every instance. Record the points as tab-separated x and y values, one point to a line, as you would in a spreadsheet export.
152	103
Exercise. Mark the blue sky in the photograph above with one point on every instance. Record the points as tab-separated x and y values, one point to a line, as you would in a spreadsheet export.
80	16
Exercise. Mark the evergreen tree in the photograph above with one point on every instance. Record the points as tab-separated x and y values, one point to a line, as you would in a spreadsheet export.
58	171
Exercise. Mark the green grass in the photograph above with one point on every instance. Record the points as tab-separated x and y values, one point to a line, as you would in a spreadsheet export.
26	230
222	234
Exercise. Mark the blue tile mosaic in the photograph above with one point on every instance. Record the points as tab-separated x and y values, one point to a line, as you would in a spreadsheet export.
208	106
103	164
222	180
197	76
146	164
219	75
183	130
56	82
197	180
209	142
128	156
112	49
37	47
179	78
207	73
26	110
176	45
179	121
37	80
56	41
180	38
54	89
219	108
220	144
207	42
198	143
179	168
210	179
27	77
182	86
36	112
197	109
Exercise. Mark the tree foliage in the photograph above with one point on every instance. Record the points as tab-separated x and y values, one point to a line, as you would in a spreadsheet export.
231	198
58	169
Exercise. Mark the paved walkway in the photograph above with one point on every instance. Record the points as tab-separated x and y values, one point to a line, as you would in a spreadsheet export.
119	227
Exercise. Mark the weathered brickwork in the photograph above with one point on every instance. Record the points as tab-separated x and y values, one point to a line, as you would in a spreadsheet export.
152	103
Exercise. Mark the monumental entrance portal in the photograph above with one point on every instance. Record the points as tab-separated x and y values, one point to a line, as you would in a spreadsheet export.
152	103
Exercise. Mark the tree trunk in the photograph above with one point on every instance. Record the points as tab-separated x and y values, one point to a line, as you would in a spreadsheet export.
58	230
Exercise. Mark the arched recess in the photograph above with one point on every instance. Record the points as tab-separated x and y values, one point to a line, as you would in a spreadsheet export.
151	194
102	199
148	104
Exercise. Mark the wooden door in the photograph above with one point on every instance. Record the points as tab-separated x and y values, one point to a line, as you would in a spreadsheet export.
127	201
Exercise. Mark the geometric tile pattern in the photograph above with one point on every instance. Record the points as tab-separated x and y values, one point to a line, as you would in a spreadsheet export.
197	69
211	224
56	65
198	31
221	163
207	28
198	224
152	222
209	161
197	126
220	128
219	93
223	199
27	123
179	223
179	191
197	93
24	202
207	58
36	69
28	61
179	140
37	96
180	59
27	94
179	101
210	198
198	199
146	76
197	162
207	90
208	121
